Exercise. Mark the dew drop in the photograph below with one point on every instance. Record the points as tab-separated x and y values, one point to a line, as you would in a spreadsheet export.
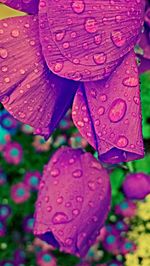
80	124
77	173
3	53
60	218
118	38
91	185
60	200
58	67
100	58
117	110
97	39
55	172
49	208
136	100
75	212
78	6
15	33
101	110
130	81
103	97
122	142
91	25
69	241
46	199
59	35
79	199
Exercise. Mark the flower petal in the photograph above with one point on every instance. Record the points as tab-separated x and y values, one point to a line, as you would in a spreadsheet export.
29	6
87	39
28	90
73	201
108	114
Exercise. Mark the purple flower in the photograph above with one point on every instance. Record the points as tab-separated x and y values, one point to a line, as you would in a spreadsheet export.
126	208
8	122
32	179
28	224
112	242
121	226
136	186
127	246
85	56
44	258
13	153
5	211
20	193
73	201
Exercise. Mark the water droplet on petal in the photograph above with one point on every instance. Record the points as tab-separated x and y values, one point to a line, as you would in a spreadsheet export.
103	97
100	58
117	110
91	25
58	67
3	53
77	173
75	212
78	6
97	39
79	199
130	81
60	200
101	110
91	185
5	99
122	142
118	38
55	172
15	33
59	35
60	218
69	241
136	100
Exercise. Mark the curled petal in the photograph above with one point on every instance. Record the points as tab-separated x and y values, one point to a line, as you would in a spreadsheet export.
73	201
28	90
108	114
86	40
29	6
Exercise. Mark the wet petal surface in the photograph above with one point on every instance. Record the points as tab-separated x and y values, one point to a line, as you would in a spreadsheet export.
73	201
85	40
113	114
28	90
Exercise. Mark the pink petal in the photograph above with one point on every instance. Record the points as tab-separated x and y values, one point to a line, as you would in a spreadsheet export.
28	90
29	6
87	39
73	201
108	114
